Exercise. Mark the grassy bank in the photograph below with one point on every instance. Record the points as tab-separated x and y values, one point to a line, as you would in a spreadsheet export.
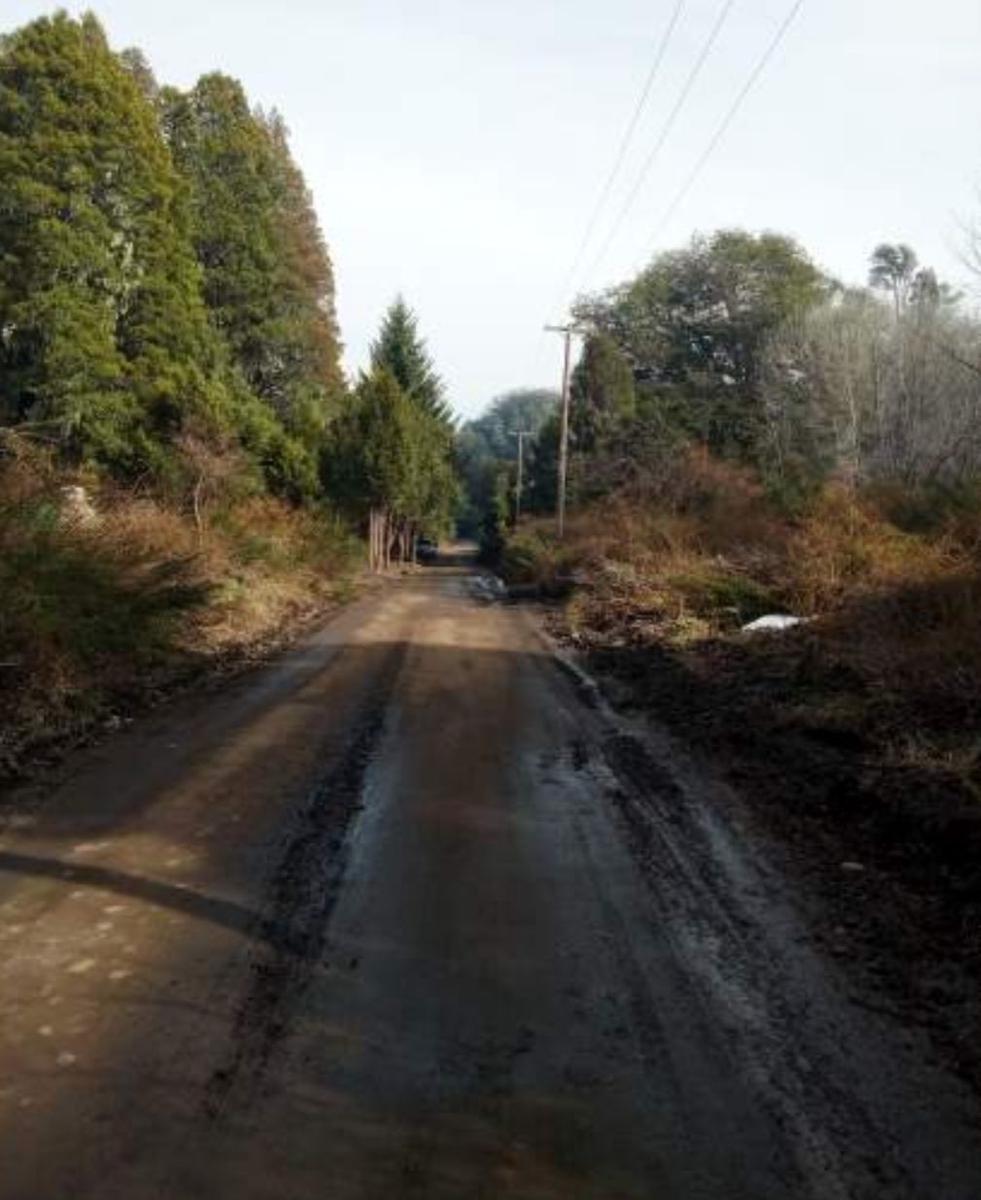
855	737
113	598
887	590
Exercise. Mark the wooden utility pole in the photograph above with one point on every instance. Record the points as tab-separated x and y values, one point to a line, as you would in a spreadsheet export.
567	331
521	435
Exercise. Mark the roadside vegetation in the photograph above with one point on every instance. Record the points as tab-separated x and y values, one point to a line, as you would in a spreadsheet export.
185	471
750	437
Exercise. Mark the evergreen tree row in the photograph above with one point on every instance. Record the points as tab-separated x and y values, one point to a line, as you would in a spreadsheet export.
390	457
166	294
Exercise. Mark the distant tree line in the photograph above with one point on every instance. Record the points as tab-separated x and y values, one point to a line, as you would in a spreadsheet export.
487	450
738	343
167	297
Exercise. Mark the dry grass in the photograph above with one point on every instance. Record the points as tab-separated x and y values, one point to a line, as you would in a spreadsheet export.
700	554
896	612
844	547
714	546
96	613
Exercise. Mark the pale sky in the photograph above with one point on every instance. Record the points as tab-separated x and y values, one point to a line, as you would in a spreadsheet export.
457	149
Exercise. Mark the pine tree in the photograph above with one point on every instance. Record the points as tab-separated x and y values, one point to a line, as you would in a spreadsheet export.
164	281
105	341
309	336
389	464
225	157
401	350
603	396
268	281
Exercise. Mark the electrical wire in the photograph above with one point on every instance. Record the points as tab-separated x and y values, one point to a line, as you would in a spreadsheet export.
666	129
619	159
625	143
727	120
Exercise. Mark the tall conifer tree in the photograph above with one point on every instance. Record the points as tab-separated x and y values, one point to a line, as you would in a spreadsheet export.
268	281
105	339
400	349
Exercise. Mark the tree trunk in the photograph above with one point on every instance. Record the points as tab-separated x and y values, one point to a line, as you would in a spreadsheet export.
376	535
198	523
375	540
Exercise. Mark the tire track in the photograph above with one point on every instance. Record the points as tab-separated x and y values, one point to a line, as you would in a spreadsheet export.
301	896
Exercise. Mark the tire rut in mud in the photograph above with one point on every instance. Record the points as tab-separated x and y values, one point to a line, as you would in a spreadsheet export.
300	898
734	935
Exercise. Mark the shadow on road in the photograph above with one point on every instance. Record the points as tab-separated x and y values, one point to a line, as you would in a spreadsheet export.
162	895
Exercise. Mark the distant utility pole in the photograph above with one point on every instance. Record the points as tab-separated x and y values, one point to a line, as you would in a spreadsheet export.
567	331
521	435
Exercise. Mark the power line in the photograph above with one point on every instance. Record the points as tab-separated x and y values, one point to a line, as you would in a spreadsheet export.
625	143
720	131
727	120
665	132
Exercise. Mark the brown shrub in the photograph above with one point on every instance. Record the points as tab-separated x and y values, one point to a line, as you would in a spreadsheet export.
139	593
844	550
707	550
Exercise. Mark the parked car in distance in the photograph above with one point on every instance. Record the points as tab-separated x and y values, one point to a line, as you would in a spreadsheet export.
426	549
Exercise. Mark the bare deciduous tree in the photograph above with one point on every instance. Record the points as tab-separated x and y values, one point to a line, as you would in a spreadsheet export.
855	391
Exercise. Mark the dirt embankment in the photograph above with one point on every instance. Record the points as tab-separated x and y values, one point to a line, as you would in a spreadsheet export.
117	600
35	741
889	841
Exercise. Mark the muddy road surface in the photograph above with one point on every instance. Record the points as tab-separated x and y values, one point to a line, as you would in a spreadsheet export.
409	913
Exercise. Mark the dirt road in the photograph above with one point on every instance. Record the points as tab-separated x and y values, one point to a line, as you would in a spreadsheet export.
409	913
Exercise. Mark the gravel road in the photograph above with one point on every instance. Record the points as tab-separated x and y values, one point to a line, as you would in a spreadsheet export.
410	913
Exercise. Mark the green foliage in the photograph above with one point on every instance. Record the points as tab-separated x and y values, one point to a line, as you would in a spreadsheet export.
543	468
391	450
81	598
603	395
435	495
315	540
310	377
162	272
602	405
894	268
267	278
932	508
718	592
694	323
487	449
400	350
367	462
493	435
388	454
533	558
105	342
489	506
